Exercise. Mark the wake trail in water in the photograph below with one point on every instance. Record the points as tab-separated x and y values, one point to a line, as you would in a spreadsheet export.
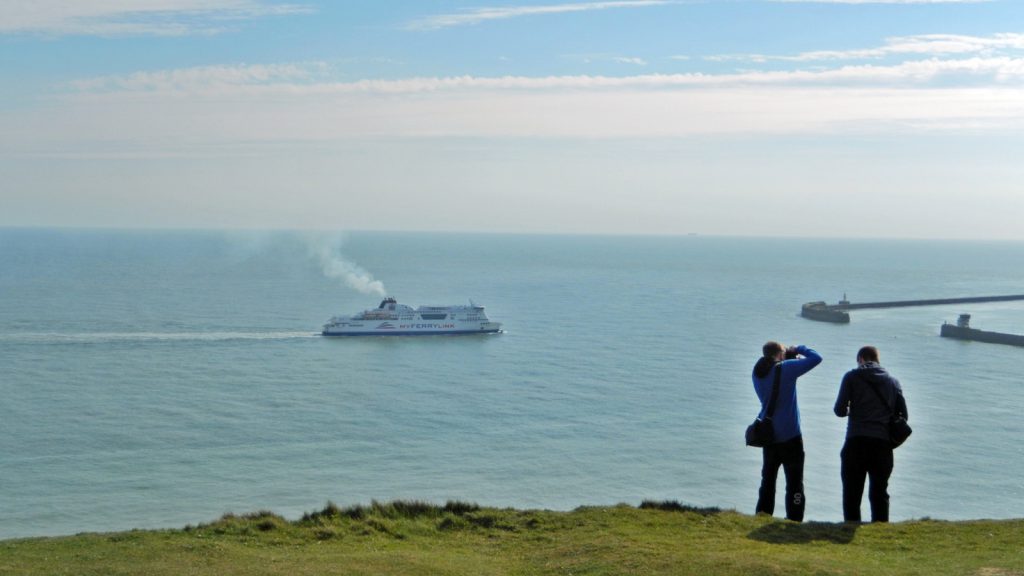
109	337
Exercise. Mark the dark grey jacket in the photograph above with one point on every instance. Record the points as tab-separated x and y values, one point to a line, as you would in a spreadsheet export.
869	416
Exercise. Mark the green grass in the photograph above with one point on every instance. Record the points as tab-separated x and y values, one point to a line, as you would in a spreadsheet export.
417	538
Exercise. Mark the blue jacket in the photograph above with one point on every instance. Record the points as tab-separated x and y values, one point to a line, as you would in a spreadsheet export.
786	420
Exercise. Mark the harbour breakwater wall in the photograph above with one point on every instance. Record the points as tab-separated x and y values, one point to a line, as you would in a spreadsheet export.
963	331
935	302
838	313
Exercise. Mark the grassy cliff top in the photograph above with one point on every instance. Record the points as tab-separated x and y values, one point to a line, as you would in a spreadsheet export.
415	538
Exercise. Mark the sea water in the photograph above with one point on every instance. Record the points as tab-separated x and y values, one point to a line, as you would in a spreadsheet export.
154	379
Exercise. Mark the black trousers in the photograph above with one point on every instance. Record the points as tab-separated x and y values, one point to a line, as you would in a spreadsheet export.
789	455
872	458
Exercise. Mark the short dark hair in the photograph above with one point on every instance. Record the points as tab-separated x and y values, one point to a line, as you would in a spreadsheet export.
868	354
771	348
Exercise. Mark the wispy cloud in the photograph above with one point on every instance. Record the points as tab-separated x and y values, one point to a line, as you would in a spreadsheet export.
203	78
920	45
630	60
480	15
133	18
225	106
301	79
951	82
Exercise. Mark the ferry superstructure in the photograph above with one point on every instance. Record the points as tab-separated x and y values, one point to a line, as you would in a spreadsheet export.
394	319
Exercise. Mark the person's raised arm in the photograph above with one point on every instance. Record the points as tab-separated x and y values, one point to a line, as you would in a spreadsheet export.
801	366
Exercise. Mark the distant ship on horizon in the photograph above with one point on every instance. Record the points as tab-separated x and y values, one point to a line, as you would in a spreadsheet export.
393	319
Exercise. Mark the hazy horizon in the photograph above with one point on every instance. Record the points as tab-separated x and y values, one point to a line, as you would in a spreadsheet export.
888	119
262	233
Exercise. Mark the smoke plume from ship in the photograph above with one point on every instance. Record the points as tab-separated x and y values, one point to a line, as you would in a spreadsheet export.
334	265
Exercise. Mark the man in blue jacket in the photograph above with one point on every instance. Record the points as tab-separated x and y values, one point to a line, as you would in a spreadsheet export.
787	449
869	396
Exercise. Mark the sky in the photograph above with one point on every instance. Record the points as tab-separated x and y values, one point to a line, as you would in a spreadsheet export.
812	118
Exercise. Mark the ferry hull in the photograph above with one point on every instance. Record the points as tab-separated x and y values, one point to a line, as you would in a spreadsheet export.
489	328
394	319
412	333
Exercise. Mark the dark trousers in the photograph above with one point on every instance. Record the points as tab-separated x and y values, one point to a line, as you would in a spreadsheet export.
789	455
872	458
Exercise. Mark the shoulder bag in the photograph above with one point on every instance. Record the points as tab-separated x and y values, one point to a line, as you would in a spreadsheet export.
761	433
899	430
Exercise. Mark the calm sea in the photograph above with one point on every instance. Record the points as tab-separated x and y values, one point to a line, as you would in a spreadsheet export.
159	379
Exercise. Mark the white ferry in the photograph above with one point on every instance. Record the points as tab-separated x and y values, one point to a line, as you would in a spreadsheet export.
394	319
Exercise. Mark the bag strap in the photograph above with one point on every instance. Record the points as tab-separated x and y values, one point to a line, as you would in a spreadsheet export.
891	409
775	393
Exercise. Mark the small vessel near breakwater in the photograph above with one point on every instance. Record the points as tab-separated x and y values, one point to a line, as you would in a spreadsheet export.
394	319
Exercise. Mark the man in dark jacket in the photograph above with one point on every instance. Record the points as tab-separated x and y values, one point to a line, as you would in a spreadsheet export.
787	450
868	450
